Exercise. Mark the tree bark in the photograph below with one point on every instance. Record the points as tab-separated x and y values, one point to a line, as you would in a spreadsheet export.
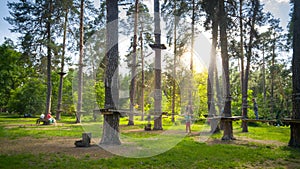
133	64
61	78
143	75
273	76
244	93
295	127
157	91
49	58
80	74
192	55
264	75
227	125
211	79
255	6
174	65
110	135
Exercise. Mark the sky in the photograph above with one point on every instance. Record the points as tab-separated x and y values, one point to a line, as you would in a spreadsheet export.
279	8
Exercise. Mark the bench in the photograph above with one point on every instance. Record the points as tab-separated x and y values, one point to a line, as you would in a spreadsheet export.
45	121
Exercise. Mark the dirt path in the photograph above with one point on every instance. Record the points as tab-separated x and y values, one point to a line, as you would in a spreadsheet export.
245	141
50	145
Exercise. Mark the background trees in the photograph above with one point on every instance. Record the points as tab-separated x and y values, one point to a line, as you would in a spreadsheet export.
18	85
48	20
251	41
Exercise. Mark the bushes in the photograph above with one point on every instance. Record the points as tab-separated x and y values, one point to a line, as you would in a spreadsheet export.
28	99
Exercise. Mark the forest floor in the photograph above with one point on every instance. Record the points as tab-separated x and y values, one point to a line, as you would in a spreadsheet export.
17	139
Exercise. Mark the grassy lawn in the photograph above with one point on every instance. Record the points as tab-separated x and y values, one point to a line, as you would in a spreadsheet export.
263	146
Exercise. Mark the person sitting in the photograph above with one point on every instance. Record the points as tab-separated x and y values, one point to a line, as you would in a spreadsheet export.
42	118
50	118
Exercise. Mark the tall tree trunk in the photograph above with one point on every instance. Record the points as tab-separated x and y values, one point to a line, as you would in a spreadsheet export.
49	83
192	55
255	5
273	76
174	65
227	125
110	135
143	75
264	76
244	93
218	92
295	127
210	80
80	64
61	73
133	66
157	92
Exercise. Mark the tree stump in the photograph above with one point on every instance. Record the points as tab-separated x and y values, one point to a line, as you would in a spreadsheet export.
86	140
148	127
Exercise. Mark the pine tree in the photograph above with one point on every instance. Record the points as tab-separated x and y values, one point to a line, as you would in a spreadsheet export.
110	135
295	127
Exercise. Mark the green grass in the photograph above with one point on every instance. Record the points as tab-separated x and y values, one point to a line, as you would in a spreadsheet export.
15	127
187	153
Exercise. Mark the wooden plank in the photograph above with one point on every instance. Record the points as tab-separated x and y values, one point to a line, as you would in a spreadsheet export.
232	118
290	120
258	120
125	112
214	118
287	120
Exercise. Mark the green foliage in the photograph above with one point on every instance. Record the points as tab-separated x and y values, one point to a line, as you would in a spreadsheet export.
237	102
100	93
28	98
201	94
12	71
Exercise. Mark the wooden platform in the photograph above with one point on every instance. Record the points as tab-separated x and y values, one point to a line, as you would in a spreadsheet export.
290	120
259	120
125	112
111	111
232	118
284	120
